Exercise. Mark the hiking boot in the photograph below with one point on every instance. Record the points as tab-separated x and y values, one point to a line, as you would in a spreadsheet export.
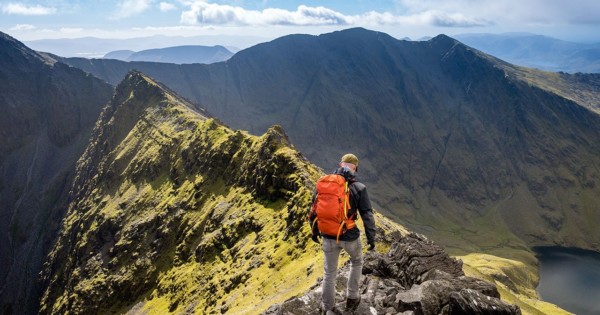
352	304
333	311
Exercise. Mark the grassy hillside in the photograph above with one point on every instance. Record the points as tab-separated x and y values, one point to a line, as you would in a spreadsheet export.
174	212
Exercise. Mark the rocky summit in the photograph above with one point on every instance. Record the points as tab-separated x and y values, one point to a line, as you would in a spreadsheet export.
415	277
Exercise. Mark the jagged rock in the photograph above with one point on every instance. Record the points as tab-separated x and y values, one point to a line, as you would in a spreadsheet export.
415	277
469	301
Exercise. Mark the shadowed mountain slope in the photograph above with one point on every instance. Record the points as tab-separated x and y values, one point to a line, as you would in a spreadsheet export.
452	142
48	111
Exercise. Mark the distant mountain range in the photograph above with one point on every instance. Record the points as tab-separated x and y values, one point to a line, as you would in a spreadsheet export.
523	49
177	54
92	47
537	51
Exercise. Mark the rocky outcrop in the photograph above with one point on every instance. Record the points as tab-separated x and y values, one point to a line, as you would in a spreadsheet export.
416	277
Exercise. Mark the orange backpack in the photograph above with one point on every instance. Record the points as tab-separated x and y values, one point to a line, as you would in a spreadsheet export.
332	204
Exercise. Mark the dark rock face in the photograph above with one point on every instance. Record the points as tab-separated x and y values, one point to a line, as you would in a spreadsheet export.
415	277
48	110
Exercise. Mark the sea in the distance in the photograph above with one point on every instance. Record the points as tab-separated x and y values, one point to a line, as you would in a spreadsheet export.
570	278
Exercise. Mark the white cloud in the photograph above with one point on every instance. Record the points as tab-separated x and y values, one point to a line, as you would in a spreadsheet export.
166	6
203	13
427	18
21	9
22	27
127	8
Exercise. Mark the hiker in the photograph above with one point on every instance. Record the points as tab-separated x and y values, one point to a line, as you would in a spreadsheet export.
341	233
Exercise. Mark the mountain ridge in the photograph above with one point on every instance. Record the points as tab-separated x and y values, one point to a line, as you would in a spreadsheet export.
437	125
170	204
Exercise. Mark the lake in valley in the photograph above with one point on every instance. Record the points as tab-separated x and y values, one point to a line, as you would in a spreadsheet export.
570	278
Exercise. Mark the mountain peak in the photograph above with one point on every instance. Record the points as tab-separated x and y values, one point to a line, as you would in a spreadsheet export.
139	92
10	45
443	38
139	86
136	91
139	102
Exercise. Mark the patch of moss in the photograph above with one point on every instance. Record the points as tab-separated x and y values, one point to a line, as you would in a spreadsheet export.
515	281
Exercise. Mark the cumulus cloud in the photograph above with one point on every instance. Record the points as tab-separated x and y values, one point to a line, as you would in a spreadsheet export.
427	18
22	27
201	12
127	8
21	9
166	6
444	19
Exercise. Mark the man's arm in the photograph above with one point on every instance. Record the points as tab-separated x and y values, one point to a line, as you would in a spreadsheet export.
366	213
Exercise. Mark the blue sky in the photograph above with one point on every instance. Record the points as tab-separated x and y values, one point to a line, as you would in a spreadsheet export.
576	20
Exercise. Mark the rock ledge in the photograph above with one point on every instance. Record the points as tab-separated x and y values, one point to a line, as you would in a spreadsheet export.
415	277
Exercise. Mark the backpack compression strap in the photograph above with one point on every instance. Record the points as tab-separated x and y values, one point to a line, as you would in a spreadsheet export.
345	218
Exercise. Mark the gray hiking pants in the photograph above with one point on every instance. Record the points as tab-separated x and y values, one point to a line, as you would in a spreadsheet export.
332	252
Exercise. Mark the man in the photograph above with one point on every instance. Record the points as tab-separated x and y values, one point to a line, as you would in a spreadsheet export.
348	238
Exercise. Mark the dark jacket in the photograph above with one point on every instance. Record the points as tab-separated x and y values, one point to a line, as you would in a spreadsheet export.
359	201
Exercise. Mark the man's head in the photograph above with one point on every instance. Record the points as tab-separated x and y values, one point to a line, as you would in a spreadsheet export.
350	161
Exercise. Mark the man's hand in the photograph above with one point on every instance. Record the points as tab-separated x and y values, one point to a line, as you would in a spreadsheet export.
371	246
315	237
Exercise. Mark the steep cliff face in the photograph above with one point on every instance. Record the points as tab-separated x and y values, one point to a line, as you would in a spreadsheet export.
48	111
174	212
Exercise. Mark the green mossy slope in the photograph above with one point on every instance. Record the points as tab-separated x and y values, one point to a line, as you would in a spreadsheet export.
175	212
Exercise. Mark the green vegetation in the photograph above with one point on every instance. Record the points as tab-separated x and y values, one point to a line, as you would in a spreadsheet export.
182	214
